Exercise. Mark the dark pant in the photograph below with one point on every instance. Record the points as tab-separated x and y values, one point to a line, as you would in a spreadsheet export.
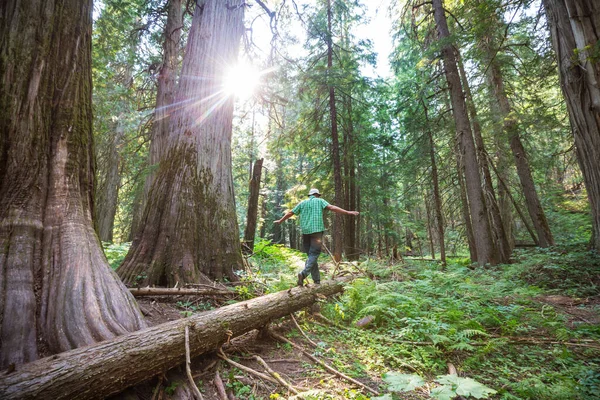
311	244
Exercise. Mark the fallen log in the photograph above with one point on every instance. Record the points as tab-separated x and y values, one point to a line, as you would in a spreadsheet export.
109	367
148	291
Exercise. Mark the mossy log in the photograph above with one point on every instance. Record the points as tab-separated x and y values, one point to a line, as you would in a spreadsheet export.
109	367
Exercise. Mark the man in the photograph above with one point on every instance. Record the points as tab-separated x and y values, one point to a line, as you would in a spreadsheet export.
310	212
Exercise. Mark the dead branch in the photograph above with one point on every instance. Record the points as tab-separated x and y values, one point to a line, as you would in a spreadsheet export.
180	292
188	371
246	369
275	375
321	363
219	385
302	332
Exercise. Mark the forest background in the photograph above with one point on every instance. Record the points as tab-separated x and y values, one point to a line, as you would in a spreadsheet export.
482	140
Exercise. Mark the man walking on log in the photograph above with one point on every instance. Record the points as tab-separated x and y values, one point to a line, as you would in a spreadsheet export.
312	226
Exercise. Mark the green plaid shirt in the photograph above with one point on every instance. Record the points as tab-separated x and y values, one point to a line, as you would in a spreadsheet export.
310	212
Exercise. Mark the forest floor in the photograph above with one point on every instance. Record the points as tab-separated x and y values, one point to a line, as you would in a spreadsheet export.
528	330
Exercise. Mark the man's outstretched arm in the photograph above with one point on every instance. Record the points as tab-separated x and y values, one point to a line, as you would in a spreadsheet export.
340	210
286	216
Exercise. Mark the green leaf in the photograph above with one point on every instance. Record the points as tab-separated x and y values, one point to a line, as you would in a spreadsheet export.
443	393
466	386
384	397
402	382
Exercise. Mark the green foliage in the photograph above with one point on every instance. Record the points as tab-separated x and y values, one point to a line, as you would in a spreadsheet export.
402	382
115	253
453	386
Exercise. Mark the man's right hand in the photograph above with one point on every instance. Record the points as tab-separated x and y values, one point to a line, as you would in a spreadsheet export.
355	213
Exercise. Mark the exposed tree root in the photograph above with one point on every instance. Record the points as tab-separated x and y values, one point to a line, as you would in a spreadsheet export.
219	385
247	369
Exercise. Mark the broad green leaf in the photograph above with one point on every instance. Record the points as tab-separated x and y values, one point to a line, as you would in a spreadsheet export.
443	393
466	386
386	396
403	382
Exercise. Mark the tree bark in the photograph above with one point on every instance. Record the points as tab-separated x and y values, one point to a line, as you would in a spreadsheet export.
437	198
57	291
108	187
511	130
189	231
252	215
166	85
98	371
486	252
497	225
575	29
338	219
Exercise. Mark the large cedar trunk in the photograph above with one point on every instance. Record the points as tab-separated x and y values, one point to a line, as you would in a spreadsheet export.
575	29
189	231
109	367
252	216
479	217
164	102
57	290
338	219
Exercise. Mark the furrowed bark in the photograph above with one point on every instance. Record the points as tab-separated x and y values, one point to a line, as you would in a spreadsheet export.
486	251
252	215
575	30
189	231
98	371
57	291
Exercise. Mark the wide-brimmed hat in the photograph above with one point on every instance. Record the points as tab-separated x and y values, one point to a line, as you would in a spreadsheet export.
314	191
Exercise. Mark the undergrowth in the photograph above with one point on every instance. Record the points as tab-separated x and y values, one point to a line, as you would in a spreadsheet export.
494	324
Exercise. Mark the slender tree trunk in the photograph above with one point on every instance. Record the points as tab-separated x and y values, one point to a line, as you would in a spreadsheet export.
511	129
437	198
575	30
189	229
429	229
252	215
486	253
109	187
164	103
57	291
500	237
350	222
338	219
460	176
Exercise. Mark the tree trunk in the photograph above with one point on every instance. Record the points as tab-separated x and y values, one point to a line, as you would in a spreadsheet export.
481	228
350	221
108	187
511	130
57	289
497	225
252	216
575	29
429	230
338	219
189	231
107	368
464	203
437	198
165	93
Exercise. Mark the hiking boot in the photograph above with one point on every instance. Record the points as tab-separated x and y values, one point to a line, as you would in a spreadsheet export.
300	279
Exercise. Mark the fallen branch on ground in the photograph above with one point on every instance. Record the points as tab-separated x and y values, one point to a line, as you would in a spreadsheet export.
246	369
188	370
327	367
85	373
219	385
302	332
275	375
180	292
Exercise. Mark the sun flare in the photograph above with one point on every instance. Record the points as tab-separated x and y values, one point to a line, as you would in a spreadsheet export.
241	80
